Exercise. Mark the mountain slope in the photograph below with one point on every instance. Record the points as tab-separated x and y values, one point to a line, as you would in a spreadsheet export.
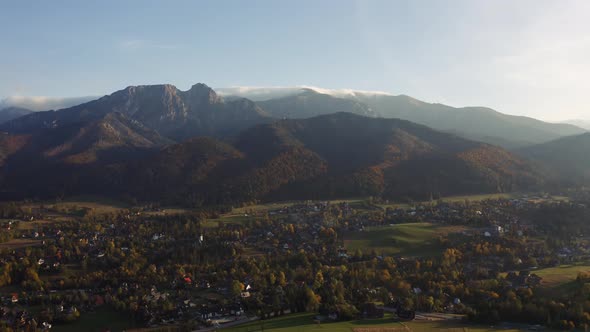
10	144
59	159
330	156
337	155
10	113
171	112
395	157
203	171
114	137
310	103
479	123
585	124
568	157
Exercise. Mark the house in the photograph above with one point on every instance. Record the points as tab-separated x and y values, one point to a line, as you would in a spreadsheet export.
493	231
98	300
343	253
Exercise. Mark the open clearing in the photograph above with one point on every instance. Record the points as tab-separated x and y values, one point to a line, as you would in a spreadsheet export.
77	206
359	200
239	215
554	276
449	199
412	239
560	281
230	218
33	225
304	322
72	204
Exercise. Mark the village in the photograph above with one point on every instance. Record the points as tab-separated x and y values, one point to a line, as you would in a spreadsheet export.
338	259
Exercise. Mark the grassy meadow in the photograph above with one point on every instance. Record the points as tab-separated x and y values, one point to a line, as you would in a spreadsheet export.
412	239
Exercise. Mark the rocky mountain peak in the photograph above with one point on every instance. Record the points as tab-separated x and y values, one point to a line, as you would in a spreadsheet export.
200	94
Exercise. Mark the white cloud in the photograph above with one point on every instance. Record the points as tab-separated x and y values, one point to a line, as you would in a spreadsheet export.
41	103
258	93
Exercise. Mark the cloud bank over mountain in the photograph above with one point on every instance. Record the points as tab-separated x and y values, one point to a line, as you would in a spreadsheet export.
41	103
258	93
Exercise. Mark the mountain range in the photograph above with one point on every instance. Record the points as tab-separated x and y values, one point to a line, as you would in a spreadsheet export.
304	158
567	158
477	123
309	103
585	124
200	110
12	112
196	147
173	113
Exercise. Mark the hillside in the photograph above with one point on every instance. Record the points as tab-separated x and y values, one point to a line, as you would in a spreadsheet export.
395	157
579	123
10	113
329	156
337	155
111	138
310	103
172	113
567	158
475	123
200	111
59	159
10	144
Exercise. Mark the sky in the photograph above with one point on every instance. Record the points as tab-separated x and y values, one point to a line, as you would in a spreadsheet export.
526	57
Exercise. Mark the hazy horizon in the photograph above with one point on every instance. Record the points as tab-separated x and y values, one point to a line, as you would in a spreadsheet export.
44	103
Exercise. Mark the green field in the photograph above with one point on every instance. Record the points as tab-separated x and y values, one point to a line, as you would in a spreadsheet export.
305	323
412	239
238	215
560	281
78	205
98	204
359	200
555	276
227	219
478	197
449	199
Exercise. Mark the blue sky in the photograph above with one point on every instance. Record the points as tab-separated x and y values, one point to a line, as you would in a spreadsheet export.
519	57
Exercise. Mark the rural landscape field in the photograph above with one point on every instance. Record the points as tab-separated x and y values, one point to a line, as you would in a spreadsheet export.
83	242
294	165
